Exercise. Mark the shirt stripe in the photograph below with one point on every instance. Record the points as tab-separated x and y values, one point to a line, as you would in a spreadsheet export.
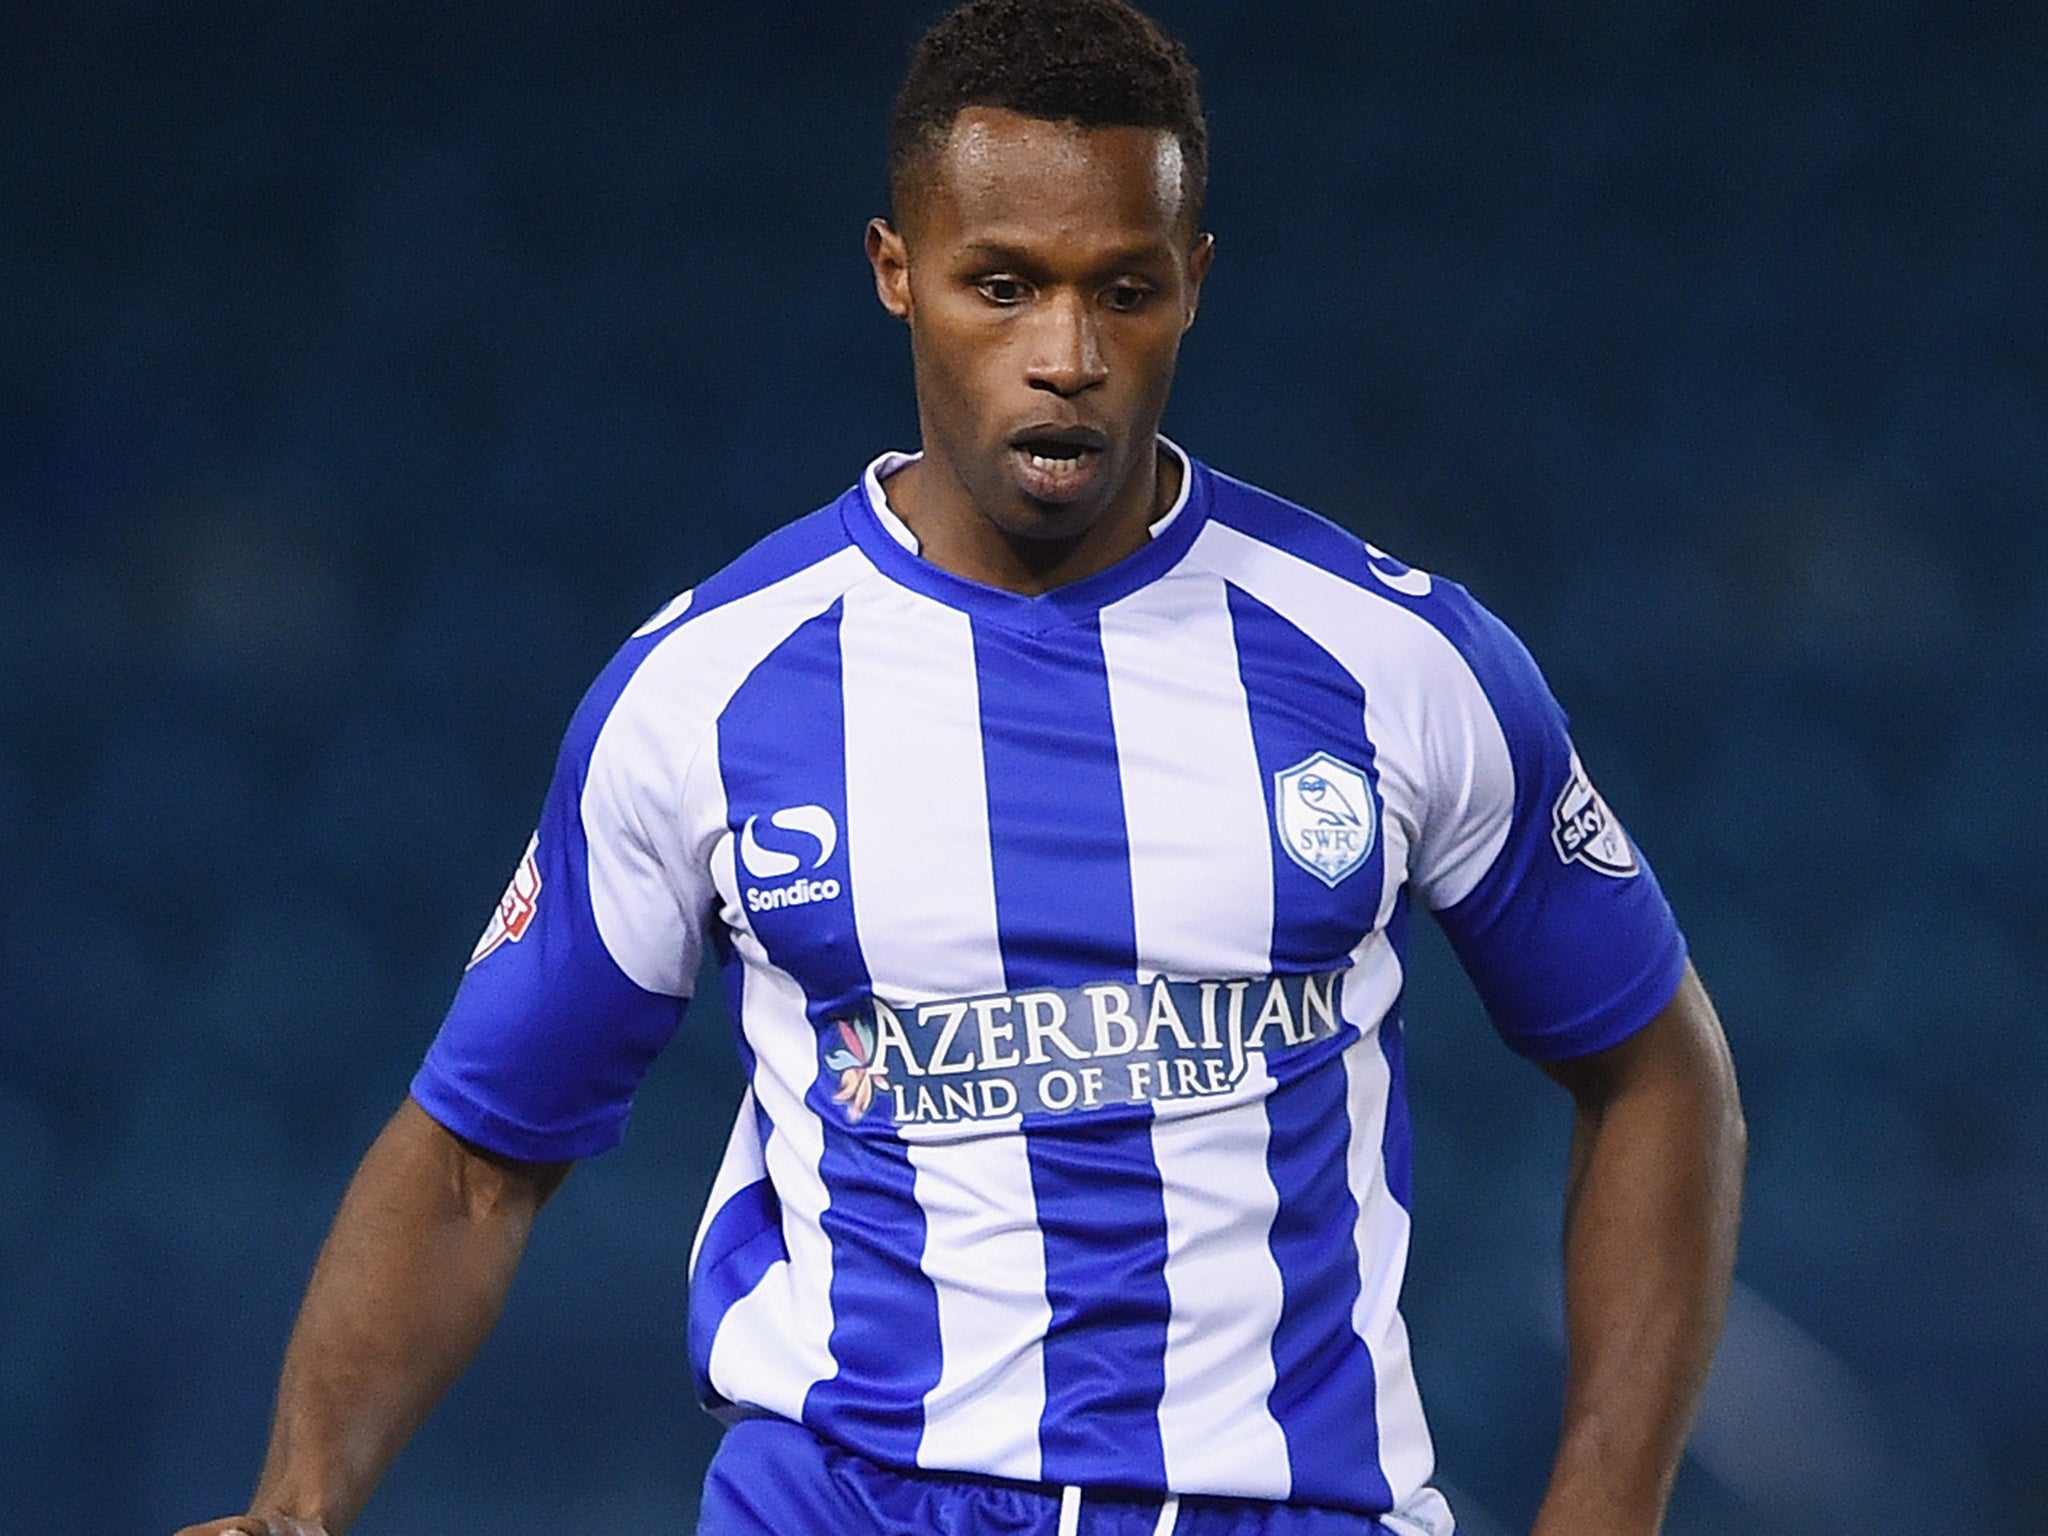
739	1240
928	929
1303	702
1327	1383
773	1344
788	809
1215	1421
1059	849
1406	1456
1202	908
1063	900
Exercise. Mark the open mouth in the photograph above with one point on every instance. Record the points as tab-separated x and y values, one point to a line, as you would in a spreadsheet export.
1054	459
1056	464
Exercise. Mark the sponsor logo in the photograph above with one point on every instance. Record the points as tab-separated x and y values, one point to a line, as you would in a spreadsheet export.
1326	816
1584	830
798	893
1395	576
665	615
1071	1049
812	824
516	907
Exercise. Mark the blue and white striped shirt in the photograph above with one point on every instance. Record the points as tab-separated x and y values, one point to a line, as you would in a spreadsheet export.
1064	940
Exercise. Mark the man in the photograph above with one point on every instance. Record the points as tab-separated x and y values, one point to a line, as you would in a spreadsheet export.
1054	805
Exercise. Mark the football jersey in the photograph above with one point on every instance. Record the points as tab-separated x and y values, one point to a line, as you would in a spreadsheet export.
1063	938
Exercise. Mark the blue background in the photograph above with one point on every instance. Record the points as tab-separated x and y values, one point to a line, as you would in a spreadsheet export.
368	371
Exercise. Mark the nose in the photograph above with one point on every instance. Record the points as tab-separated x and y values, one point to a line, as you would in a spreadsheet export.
1066	357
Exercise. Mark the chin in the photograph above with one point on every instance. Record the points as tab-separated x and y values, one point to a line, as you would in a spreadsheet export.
1046	522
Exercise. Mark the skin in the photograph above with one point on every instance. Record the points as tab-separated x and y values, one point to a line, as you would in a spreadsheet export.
1652	1206
409	1282
1047	274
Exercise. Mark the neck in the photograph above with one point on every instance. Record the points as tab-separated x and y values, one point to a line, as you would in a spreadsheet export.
954	533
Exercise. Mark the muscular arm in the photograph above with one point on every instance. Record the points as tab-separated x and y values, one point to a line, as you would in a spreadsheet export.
409	1282
1651	1212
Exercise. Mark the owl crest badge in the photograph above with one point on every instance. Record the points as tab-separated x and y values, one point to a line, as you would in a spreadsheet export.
1324	811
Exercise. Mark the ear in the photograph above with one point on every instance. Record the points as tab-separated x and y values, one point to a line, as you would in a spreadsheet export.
1200	255
890	258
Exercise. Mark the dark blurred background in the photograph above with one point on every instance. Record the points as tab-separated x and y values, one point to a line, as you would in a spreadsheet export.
368	371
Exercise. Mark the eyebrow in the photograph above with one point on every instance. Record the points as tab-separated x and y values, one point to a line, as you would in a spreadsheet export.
1002	254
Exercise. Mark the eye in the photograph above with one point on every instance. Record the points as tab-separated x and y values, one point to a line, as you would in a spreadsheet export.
1002	290
1126	297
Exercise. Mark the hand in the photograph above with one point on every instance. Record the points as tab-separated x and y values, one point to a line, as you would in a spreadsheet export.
257	1525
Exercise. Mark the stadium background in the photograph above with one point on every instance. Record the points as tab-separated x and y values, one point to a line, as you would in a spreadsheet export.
368	370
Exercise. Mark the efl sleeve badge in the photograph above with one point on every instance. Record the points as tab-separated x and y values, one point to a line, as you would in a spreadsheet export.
516	907
1584	830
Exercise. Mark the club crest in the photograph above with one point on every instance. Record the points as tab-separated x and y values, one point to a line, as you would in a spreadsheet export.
1324	811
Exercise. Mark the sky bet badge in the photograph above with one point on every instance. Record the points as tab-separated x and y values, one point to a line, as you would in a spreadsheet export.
1326	816
1582	828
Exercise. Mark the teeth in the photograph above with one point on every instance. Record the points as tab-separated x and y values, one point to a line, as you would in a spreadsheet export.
1046	461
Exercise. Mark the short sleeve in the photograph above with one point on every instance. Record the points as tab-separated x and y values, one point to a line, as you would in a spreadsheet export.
580	978
1563	929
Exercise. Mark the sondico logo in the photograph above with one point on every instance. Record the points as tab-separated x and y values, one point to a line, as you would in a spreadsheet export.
812	822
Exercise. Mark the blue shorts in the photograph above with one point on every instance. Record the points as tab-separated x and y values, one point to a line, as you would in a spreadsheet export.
771	1477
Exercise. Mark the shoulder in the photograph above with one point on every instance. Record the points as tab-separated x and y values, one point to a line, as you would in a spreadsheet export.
784	555
1304	564
675	671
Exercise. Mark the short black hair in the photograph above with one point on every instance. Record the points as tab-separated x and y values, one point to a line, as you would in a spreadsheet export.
1092	63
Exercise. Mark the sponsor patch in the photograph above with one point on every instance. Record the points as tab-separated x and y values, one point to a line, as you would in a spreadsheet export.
817	836
666	614
516	907
1059	1050
1324	811
1585	831
1395	576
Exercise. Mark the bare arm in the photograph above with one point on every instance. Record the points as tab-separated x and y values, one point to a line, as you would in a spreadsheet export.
409	1282
1651	1212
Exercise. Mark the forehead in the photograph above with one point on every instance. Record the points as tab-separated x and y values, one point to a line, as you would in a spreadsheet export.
1000	175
